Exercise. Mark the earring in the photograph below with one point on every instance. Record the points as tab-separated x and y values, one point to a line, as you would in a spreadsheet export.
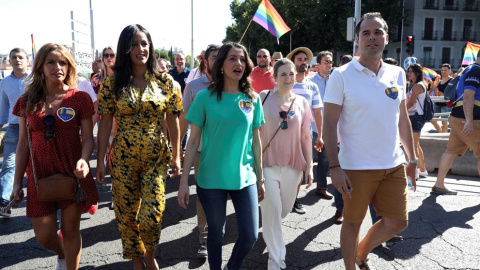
41	75
221	70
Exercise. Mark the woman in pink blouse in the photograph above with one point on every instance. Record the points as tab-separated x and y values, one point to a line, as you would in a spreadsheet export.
287	142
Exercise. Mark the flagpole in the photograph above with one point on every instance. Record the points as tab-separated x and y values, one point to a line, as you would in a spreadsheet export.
245	30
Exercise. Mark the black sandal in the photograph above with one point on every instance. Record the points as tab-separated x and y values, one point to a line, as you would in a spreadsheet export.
363	265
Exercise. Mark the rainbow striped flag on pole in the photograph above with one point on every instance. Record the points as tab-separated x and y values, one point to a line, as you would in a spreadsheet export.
470	55
429	73
268	17
34	50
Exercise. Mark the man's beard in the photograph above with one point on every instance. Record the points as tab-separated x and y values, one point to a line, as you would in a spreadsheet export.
302	68
262	65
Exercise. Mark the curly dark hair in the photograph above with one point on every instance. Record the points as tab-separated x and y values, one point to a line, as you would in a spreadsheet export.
217	83
123	63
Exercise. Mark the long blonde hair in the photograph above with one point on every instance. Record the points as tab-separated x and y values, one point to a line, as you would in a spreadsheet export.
103	73
35	91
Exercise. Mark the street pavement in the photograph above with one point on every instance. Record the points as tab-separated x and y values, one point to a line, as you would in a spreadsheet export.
443	233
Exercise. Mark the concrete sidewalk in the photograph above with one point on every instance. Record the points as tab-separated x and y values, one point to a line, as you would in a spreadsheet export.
442	234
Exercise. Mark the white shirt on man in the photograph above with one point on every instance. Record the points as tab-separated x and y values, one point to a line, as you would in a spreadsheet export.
368	125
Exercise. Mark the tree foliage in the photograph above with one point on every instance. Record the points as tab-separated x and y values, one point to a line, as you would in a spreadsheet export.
316	24
162	53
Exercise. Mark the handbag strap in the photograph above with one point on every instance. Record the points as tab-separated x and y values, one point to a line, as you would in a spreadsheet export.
31	152
279	126
265	99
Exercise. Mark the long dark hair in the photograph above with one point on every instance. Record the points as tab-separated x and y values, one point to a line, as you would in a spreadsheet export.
418	70
123	64
218	82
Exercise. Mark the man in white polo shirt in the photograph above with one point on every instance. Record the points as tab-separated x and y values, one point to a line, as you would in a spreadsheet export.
365	100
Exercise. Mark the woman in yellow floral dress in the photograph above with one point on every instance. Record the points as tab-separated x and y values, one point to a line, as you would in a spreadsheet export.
138	96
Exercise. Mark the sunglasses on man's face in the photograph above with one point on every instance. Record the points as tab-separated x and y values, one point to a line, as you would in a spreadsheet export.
107	55
262	56
49	133
284	124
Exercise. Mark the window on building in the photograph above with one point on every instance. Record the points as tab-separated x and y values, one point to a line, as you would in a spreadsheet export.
447	29
467	29
427	60
428	32
446	55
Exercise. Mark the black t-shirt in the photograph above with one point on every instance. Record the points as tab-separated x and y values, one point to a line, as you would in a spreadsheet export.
441	88
471	79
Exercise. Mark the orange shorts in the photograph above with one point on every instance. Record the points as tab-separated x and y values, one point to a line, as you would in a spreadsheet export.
387	189
458	144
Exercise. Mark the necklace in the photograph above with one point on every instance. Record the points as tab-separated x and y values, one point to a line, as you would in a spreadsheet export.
50	103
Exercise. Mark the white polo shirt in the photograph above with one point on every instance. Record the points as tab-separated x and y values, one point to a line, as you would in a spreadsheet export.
368	125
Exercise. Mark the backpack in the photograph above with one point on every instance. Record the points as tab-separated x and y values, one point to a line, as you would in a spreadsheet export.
450	92
427	108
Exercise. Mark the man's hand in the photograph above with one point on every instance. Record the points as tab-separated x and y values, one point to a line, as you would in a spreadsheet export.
467	129
319	144
341	182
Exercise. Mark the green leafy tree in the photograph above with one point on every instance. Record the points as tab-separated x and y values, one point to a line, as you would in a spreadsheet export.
162	53
196	63
316	24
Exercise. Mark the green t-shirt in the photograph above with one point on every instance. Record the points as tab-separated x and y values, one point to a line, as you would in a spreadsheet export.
226	160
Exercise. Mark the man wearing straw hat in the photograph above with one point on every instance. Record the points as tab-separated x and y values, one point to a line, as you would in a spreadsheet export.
275	57
304	87
262	74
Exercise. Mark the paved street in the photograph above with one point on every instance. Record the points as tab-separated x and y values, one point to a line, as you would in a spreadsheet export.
444	233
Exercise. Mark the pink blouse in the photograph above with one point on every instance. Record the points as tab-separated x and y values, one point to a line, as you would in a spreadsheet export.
286	148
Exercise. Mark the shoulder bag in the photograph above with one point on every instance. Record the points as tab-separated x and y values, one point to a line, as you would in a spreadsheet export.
58	187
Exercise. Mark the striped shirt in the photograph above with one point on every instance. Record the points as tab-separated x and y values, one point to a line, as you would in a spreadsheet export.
309	90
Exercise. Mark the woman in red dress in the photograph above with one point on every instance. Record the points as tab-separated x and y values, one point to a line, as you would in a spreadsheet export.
55	112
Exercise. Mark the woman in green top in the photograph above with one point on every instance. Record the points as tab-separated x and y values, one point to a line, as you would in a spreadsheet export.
227	118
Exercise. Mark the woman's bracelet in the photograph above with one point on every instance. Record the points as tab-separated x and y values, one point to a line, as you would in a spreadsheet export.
334	166
262	180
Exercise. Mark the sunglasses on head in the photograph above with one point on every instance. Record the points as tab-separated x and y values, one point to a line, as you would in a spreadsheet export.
49	133
284	124
107	55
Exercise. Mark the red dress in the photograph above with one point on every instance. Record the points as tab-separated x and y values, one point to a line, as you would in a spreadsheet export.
59	155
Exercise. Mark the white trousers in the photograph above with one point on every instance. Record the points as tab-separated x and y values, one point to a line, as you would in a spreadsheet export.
281	185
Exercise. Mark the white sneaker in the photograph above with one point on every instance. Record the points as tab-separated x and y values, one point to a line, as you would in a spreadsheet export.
423	174
61	264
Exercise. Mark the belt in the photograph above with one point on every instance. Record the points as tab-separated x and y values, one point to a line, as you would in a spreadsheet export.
460	103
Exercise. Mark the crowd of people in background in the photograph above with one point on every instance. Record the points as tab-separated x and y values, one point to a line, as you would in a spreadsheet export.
251	133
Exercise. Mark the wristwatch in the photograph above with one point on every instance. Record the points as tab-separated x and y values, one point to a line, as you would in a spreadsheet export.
414	161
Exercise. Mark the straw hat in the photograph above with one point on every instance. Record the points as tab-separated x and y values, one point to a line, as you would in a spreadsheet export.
201	55
303	49
277	56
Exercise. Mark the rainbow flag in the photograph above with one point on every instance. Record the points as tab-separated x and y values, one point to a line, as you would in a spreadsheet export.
269	19
34	50
429	74
470	55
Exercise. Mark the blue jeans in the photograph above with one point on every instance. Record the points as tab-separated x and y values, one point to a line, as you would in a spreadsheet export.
245	202
8	165
322	167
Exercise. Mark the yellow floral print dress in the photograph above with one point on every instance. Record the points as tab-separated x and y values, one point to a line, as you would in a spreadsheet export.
140	159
